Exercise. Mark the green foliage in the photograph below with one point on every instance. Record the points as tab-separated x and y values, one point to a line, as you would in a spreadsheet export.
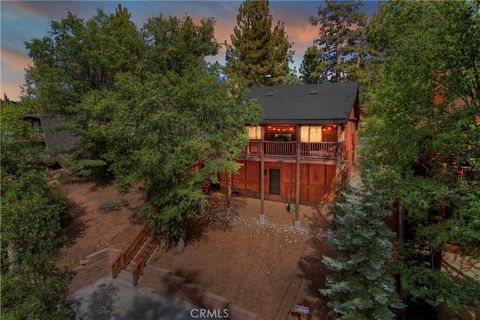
78	61
359	284
32	220
433	286
309	69
342	41
175	44
162	125
258	52
423	130
145	107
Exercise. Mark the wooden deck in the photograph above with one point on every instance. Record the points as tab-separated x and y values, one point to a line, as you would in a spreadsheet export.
288	150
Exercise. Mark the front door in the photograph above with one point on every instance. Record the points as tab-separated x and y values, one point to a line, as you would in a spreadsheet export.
274	175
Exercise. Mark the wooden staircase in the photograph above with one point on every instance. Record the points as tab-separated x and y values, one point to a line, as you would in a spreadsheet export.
341	174
129	265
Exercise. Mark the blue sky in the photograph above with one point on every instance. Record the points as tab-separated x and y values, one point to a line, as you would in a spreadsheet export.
24	20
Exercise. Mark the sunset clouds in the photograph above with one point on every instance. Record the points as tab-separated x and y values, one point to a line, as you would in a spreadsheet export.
21	21
14	60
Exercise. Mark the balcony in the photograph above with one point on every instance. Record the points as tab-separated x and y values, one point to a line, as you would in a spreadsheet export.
288	150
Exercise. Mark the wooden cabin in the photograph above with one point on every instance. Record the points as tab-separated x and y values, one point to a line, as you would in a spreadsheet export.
304	146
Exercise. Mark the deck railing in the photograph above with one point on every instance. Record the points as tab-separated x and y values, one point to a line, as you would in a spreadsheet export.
280	148
288	149
319	150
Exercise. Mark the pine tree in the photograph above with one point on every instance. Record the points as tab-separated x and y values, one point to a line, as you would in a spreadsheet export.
310	67
342	39
257	52
359	285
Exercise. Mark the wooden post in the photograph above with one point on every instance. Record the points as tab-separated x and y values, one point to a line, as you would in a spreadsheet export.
296	221
261	218
229	194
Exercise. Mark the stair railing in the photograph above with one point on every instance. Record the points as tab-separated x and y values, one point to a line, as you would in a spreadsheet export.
142	258
127	255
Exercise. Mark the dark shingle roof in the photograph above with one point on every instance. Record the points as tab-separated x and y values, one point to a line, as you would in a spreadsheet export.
56	137
306	104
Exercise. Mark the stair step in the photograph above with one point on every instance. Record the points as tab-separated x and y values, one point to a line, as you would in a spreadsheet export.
125	279
126	275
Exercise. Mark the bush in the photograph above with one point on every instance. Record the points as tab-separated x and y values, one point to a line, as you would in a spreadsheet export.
110	204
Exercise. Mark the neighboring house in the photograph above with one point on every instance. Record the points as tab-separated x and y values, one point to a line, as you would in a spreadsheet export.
49	131
304	147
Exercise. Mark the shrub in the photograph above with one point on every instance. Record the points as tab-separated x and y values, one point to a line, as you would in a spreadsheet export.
110	204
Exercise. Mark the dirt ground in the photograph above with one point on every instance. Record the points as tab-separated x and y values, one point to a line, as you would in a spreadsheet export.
266	269
91	229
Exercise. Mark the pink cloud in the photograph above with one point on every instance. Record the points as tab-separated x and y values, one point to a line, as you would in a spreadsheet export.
13	91
301	35
14	60
50	9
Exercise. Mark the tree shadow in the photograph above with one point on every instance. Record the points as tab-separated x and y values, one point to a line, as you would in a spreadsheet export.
311	266
182	285
75	226
99	305
214	216
147	308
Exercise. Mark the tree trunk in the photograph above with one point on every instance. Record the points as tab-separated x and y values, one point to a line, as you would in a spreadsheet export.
12	257
437	255
337	63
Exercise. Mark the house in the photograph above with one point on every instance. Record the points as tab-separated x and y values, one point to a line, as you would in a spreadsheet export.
304	147
50	132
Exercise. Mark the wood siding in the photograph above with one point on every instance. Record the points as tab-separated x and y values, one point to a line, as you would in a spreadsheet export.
315	180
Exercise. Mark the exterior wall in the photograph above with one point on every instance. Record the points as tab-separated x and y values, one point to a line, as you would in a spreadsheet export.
351	140
315	180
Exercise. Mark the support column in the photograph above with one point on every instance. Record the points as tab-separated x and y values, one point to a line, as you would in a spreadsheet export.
296	221
261	218
229	194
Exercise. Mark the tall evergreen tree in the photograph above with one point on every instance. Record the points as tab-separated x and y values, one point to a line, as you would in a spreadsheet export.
310	69
341	38
359	283
258	52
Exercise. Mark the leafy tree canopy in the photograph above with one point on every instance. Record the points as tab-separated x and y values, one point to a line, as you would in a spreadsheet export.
32	221
161	126
150	111
423	133
78	58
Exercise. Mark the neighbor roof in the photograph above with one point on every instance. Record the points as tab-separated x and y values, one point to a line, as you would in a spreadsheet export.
57	137
306	104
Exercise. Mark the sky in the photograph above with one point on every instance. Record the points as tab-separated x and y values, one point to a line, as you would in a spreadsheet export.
25	20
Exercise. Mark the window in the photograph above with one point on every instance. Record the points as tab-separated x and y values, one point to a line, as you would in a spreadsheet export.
255	133
311	134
